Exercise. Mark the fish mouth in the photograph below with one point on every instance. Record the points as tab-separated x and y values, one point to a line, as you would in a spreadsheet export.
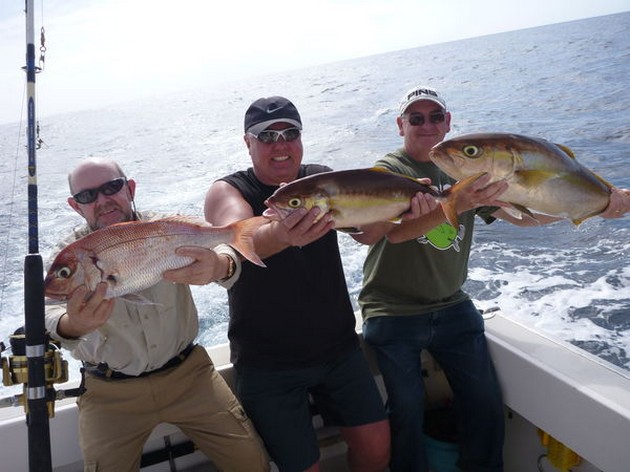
56	295
274	212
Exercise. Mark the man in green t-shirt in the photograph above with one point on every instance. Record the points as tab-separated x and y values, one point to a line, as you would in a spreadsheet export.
412	299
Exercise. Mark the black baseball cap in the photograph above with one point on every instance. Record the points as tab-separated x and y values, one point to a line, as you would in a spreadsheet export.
269	110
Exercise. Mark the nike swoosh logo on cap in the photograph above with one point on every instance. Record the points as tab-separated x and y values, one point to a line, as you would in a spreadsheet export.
271	110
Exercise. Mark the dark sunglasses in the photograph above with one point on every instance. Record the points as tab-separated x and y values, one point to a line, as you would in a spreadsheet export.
269	136
108	188
417	119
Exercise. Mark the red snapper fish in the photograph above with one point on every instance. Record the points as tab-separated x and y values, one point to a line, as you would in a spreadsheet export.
541	176
358	197
132	256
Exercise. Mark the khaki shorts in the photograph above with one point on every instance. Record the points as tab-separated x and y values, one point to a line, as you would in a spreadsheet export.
117	416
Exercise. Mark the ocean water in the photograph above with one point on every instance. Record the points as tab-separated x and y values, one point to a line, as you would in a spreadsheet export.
565	82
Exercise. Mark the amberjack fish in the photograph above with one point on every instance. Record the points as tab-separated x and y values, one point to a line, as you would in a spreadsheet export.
542	177
132	256
358	197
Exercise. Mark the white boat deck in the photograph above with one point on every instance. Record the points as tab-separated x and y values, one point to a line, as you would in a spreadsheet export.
577	398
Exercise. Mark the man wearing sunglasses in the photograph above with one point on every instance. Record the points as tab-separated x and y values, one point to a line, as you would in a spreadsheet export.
292	328
412	300
142	365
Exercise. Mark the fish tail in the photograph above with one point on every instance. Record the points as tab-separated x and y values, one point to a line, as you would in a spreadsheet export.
243	240
449	198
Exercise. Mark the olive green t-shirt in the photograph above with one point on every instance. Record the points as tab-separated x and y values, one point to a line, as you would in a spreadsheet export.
423	274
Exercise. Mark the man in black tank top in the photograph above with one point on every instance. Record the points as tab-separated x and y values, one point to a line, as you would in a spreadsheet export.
292	328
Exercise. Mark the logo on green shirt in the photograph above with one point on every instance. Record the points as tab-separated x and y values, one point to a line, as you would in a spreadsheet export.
443	237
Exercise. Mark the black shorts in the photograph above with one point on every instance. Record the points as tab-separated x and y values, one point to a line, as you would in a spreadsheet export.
278	402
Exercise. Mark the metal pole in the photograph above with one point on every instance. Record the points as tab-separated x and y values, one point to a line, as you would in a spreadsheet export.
39	454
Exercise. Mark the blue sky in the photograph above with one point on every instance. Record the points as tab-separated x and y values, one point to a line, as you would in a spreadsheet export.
106	51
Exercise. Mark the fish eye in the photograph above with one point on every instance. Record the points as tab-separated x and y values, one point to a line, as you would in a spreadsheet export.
295	202
64	272
471	151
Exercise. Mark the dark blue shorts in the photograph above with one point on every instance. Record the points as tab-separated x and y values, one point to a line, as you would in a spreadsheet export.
343	391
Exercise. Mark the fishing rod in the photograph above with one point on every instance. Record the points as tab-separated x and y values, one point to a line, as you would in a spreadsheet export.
36	361
39	451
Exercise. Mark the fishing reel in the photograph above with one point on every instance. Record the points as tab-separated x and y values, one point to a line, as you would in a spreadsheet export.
15	372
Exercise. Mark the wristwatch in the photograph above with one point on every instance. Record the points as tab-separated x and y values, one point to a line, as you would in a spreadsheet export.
231	268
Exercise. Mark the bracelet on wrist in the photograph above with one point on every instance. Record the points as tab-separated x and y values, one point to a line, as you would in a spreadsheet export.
230	270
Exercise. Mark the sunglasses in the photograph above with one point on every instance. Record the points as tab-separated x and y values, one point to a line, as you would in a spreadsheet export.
417	119
108	188
272	135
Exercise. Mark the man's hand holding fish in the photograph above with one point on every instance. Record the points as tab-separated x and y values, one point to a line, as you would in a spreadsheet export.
85	312
300	228
419	205
206	268
619	203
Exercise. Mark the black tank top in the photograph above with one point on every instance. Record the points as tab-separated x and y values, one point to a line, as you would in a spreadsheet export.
296	312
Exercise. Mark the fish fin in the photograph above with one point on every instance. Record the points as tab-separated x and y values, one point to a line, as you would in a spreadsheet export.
518	211
449	207
513	212
396	220
448	199
243	240
380	169
524	211
578	221
568	151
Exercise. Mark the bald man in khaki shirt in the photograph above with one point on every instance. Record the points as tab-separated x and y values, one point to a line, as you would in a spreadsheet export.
142	365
